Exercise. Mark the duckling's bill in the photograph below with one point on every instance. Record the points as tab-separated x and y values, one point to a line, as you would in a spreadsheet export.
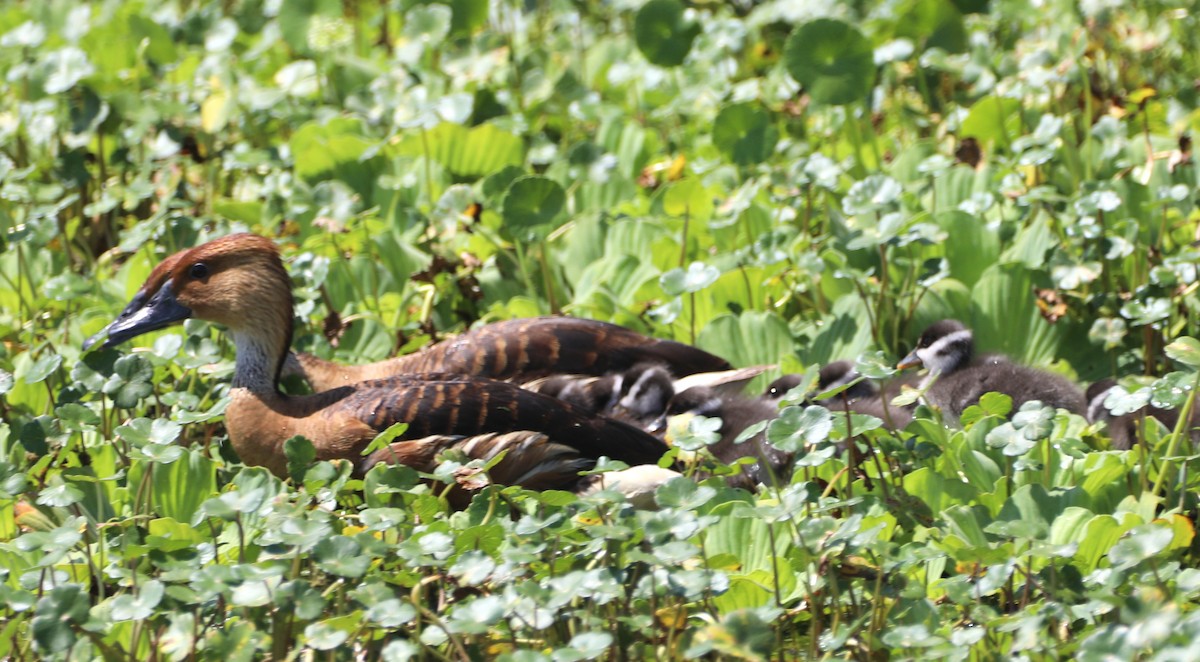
910	361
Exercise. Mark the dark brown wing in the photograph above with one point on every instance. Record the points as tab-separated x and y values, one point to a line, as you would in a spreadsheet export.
531	461
440	404
523	349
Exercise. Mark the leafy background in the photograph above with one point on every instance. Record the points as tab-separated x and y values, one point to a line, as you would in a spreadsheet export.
779	182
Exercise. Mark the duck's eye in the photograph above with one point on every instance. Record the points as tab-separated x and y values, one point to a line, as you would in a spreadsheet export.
198	271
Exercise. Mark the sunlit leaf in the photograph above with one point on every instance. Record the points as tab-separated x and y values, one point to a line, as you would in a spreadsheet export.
832	60
664	33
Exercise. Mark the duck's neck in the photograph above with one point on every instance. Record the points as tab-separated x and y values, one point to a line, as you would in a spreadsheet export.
259	356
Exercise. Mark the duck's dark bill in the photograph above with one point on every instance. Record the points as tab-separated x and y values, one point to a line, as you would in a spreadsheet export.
161	311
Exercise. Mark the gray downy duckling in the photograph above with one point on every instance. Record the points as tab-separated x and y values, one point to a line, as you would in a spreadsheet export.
862	397
737	412
957	379
1125	430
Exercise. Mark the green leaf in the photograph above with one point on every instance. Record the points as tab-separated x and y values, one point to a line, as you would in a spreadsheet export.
300	454
341	556
993	120
1140	544
1185	350
383	439
663	33
683	493
799	427
1150	310
970	246
180	487
688	197
252	593
531	204
60	495
933	24
64	68
996	404
142	431
160	45
874	365
137	607
474	152
41	368
335	150
324	636
130	381
744	133
1005	317
1108	332
752	338
391	613
57	613
296	15
497	183
697	277
832	60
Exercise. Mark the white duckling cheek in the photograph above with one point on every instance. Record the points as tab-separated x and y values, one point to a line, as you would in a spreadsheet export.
944	354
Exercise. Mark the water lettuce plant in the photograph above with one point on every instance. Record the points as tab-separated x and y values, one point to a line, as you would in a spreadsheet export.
779	182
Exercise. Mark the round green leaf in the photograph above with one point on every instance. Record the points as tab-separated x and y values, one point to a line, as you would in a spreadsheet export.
531	204
744	134
1140	544
42	368
663	34
138	607
797	427
933	24
683	493
832	60
324	636
60	495
688	196
993	120
697	277
1185	350
341	556
61	607
130	381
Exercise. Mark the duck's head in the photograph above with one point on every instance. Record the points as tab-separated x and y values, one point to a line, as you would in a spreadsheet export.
944	347
645	389
782	386
843	374
700	400
238	281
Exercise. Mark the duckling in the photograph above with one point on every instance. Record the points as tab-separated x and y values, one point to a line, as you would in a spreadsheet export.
640	394
239	282
947	348
782	386
521	350
1125	430
737	413
862	397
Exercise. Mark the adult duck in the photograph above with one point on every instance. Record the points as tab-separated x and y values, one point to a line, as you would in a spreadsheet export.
239	281
521	350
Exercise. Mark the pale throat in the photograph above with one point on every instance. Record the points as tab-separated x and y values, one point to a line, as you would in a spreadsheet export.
258	354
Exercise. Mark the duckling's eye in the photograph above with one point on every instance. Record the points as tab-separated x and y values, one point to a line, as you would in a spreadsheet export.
199	271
